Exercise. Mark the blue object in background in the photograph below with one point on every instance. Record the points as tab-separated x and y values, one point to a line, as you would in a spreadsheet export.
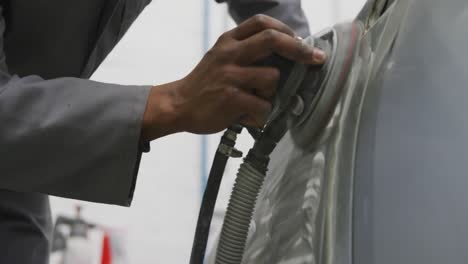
204	139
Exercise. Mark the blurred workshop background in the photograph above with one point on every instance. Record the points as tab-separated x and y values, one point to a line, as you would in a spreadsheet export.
163	45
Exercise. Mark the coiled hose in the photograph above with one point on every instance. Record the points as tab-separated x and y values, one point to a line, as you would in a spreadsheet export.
239	213
248	183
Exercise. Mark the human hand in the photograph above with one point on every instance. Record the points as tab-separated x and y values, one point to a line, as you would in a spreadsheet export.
225	87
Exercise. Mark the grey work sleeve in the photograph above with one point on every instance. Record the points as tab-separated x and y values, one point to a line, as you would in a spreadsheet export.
69	137
288	11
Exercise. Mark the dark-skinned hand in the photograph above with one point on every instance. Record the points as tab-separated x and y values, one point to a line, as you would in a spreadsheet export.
226	87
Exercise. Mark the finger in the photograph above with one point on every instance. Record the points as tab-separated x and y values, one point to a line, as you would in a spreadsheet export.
259	23
259	81
248	121
251	108
270	41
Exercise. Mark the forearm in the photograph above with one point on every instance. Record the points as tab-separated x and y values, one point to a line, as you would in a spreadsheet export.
161	117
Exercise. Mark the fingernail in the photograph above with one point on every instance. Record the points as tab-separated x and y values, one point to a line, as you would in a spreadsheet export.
319	55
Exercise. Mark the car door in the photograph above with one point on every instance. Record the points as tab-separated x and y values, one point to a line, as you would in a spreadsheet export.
384	181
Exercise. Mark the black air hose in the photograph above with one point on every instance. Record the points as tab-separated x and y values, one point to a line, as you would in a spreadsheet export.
225	150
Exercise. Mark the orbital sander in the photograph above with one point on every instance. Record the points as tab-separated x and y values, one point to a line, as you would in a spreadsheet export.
320	87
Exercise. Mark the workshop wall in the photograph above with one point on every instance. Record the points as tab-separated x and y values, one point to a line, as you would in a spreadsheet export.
164	44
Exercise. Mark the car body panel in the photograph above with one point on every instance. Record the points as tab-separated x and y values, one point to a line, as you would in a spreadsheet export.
385	181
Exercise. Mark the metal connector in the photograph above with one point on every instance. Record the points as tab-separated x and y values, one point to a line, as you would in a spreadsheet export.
229	151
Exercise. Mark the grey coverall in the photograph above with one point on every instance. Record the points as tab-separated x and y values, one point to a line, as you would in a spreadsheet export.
64	135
